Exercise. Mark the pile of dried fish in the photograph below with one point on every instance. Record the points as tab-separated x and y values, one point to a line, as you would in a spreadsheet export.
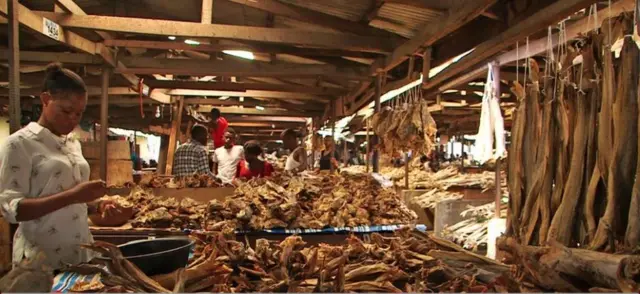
159	212
432	197
30	275
408	262
405	128
309	202
194	181
573	160
472	232
121	276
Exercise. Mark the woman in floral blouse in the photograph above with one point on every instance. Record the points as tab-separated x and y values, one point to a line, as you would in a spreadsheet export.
44	184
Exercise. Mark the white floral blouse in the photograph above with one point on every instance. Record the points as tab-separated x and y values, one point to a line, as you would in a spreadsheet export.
35	163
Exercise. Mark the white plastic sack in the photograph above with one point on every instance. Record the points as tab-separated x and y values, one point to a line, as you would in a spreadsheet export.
491	124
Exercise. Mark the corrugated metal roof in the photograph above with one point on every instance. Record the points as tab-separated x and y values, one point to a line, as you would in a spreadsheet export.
403	19
347	9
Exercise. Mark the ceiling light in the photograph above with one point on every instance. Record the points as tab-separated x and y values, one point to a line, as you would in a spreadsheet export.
241	99
240	53
172	38
191	42
463	92
273	126
258	107
223	98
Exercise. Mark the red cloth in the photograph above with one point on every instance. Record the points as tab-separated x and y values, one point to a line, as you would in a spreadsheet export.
245	172
217	134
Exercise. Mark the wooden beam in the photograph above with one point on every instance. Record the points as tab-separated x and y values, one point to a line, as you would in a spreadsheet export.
376	109
424	4
543	18
14	66
91	91
254	111
271	119
244	33
237	68
261	48
47	57
228	86
249	93
104	123
266	104
207	11
458	16
426	64
36	23
73	8
175	134
313	17
265	125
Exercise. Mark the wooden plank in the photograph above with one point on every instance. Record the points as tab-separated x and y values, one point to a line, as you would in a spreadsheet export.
284	125
426	64
104	123
14	65
197	30
273	119
91	91
73	8
313	17
254	111
229	86
207	11
175	134
261	48
266	104
238	68
46	57
35	23
424	4
547	16
429	34
248	93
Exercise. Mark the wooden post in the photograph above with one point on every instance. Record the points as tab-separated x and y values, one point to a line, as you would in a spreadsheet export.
207	11
14	66
378	93
175	133
426	65
162	157
406	170
333	131
104	122
344	152
368	145
314	121
496	88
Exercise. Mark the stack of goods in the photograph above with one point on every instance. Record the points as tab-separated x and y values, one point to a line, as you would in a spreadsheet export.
451	177
408	262
432	197
158	212
471	233
309	202
194	181
573	163
277	163
404	129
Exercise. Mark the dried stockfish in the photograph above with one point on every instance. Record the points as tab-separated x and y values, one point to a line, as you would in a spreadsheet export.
625	125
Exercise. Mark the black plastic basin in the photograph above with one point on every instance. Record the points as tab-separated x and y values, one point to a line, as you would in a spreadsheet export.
158	256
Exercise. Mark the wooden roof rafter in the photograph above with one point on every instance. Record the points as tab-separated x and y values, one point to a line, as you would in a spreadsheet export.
232	32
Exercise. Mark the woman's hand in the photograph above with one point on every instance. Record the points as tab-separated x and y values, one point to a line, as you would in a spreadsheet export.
89	191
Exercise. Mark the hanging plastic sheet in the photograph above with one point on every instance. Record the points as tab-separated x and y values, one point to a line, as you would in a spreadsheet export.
491	123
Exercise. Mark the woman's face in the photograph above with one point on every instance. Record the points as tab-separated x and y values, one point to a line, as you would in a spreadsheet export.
63	113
